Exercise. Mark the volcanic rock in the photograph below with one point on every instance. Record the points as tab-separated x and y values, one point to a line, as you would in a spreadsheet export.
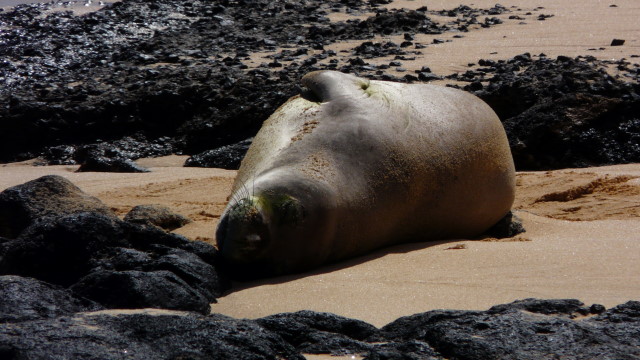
317	333
103	158
100	257
157	215
23	299
141	334
563	112
527	329
225	157
51	195
509	226
617	42
155	69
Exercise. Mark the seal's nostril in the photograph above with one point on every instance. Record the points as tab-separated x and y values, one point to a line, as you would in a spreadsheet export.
253	238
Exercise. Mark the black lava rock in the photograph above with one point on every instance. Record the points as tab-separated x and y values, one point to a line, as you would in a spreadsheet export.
508	331
318	333
134	289
23	299
51	195
103	164
150	73
143	334
104	158
525	329
509	226
142	265
562	112
157	215
225	157
617	42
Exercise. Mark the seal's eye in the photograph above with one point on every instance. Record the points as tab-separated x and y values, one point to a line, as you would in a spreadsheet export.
291	212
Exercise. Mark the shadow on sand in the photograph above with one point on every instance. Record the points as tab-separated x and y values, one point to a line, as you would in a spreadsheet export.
395	249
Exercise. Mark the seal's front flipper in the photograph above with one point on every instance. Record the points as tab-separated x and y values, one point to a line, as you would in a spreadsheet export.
325	86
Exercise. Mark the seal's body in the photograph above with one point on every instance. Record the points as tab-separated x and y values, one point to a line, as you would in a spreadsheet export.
353	165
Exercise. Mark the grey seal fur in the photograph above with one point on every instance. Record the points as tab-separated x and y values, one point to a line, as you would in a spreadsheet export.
353	165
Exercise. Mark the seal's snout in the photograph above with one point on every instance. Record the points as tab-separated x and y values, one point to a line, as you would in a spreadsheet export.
242	234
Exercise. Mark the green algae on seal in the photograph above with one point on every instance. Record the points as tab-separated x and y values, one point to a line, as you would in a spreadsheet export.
352	165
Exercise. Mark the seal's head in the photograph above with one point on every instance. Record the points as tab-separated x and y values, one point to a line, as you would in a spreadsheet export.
245	232
267	233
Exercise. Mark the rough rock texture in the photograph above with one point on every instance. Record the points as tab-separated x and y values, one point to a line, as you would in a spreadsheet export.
172	74
105	164
23	299
137	266
148	335
318	333
22	205
58	234
526	329
563	112
129	147
225	157
157	215
509	226
150	78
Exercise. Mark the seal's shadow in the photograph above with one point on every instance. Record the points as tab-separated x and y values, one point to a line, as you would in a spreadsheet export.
395	249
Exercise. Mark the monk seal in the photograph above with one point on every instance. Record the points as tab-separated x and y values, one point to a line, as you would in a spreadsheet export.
352	165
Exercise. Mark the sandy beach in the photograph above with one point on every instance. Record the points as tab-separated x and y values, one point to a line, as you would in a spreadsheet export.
582	238
584	247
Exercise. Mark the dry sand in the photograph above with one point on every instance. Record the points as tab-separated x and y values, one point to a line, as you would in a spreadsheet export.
592	256
582	238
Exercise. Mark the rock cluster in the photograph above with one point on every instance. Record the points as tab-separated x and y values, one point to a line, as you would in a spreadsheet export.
225	157
141	78
158	77
56	325
562	112
51	231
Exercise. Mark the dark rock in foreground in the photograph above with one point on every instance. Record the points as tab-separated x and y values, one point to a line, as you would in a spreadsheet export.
116	263
321	333
52	195
23	299
525	329
145	335
66	239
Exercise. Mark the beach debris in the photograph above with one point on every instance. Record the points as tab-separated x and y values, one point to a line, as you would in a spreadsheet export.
617	42
457	247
